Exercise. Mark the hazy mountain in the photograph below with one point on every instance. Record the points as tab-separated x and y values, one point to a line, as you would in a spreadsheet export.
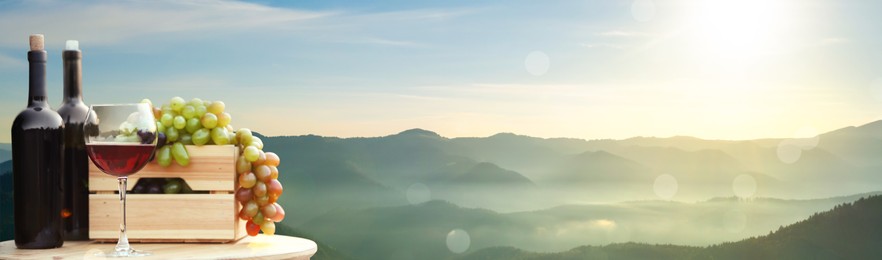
598	166
487	173
419	231
476	172
848	231
860	145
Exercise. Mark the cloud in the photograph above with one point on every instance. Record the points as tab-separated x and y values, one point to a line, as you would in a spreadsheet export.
115	22
102	23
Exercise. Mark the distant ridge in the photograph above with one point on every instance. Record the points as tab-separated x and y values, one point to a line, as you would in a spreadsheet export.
418	132
848	231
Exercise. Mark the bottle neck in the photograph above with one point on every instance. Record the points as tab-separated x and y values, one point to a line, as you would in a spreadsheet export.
37	80
73	73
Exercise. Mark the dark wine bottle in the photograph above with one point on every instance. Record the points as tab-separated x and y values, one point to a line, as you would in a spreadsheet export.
37	157
75	206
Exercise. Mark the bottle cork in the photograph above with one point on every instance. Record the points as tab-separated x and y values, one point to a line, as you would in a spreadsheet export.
36	42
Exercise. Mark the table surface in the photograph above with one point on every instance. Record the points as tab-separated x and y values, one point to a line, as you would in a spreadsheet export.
258	247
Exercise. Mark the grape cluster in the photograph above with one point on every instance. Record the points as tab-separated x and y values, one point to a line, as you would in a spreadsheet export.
161	186
199	122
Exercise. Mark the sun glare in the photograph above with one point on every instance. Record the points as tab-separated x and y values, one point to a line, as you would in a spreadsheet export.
739	31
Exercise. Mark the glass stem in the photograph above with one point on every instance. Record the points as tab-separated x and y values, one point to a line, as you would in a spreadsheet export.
122	245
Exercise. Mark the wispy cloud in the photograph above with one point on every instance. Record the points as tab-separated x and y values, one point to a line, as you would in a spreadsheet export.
112	22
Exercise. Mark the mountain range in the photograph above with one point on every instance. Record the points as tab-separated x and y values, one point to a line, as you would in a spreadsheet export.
367	197
848	231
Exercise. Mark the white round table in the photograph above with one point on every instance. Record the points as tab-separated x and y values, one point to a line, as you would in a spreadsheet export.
258	247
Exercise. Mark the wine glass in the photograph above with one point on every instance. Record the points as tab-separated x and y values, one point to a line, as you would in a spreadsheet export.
120	140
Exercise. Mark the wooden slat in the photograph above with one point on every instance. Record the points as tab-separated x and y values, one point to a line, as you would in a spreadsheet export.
212	168
167	216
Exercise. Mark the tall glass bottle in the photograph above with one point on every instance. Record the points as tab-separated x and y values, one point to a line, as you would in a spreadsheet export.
75	206
37	157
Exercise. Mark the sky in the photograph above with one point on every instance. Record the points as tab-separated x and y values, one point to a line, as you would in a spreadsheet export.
582	69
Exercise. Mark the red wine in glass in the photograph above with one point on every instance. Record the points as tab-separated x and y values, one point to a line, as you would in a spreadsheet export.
120	140
120	159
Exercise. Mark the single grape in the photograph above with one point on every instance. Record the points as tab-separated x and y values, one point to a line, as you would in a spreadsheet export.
172	186
261	158
272	159
188	112
252	228
155	188
243	195
274	190
262	201
232	136
193	124
280	213
195	102
244	136
219	136
251	208
251	153
160	127
243	215
242	165
274	172
177	103
248	180
201	111
224	119
157	113
180	122
262	172
259	189
167	119
164	156
140	187
179	152
185	138
201	136
147	101
256	142
146	137
268	211
216	107
258	218
209	120
171	134
268	228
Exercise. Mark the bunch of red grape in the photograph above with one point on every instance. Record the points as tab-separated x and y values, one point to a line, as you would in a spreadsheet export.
199	122
259	186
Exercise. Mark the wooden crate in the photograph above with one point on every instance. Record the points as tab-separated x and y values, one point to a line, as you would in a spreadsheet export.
211	217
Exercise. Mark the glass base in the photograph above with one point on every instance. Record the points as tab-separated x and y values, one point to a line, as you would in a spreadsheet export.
124	253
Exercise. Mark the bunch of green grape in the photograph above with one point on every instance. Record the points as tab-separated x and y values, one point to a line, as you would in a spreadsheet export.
196	122
199	122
